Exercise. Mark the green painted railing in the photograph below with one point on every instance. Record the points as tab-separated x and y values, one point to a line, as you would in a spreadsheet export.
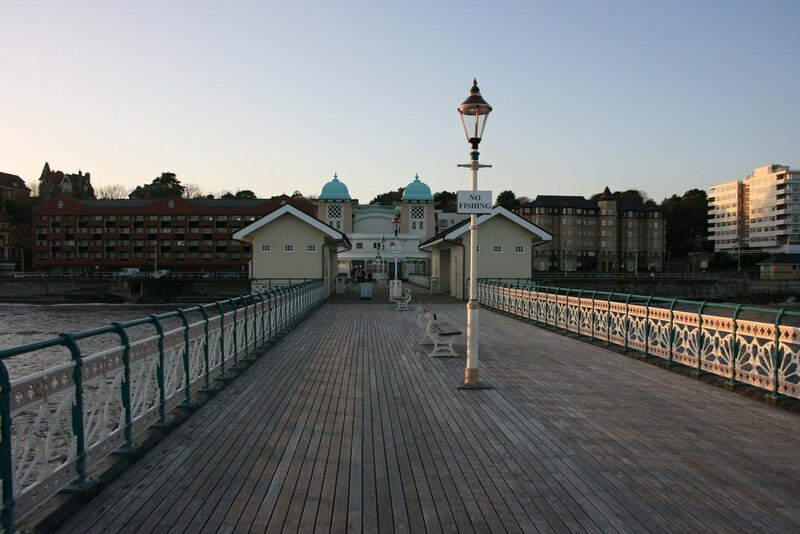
749	345
116	381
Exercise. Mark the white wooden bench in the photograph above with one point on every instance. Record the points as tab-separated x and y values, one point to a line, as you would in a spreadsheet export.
402	302
425	316
438	333
442	334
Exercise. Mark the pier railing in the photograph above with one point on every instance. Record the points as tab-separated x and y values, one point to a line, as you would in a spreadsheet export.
745	344
99	389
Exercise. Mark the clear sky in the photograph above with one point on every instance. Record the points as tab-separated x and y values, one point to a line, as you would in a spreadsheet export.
276	96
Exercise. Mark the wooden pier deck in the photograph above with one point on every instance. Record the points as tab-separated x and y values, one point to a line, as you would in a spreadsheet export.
347	425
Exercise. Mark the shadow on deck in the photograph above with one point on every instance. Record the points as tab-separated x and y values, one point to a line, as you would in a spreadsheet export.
347	425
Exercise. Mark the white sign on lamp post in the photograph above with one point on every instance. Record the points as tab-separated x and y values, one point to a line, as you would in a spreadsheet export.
474	201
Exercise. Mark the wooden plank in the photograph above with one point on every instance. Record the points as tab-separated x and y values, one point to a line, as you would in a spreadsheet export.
347	425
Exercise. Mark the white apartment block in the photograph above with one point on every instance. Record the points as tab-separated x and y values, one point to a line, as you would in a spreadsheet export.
726	226
760	213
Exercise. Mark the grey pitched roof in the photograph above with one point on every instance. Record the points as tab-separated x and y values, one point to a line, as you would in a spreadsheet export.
116	203
561	201
228	202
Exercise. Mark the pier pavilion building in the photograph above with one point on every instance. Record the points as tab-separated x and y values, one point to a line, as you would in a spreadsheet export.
382	237
506	244
289	243
355	240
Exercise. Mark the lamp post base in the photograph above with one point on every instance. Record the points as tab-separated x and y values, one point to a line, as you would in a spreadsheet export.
472	381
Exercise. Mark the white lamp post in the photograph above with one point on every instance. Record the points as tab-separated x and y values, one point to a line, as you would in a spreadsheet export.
473	112
395	285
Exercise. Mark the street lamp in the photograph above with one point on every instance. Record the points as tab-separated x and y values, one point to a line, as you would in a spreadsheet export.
473	112
395	286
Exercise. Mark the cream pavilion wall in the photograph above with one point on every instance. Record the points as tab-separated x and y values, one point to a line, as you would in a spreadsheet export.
272	257
506	262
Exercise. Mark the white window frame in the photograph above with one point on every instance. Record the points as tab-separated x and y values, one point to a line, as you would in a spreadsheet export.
266	248
497	249
288	247
519	249
312	247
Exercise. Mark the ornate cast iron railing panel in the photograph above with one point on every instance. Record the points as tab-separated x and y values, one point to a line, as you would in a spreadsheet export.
58	423
764	353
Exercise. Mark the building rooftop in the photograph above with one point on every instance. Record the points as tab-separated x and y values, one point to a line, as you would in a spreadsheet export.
334	190
417	191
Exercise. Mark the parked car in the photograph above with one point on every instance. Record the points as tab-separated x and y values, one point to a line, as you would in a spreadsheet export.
162	273
128	272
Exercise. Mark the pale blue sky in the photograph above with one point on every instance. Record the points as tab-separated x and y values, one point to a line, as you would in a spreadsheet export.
661	96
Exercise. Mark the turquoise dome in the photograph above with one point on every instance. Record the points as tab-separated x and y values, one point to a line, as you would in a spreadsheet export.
334	190
418	191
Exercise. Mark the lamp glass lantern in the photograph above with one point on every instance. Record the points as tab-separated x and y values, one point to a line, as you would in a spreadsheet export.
473	112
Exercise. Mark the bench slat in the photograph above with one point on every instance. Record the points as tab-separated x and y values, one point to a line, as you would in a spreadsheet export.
446	329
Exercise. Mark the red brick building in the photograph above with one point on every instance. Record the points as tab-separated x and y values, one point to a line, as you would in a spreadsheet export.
171	232
12	187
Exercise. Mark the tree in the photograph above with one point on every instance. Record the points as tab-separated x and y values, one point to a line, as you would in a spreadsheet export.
113	191
193	191
446	201
165	185
245	193
507	199
34	187
686	219
387	199
631	195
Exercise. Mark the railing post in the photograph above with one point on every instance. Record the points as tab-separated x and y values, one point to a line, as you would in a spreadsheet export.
77	415
271	312
580	311
647	326
777	355
627	321
125	388
262	326
235	325
246	327
9	503
187	391
221	339
207	370
700	337
671	331
608	319
558	294
162	403
735	345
